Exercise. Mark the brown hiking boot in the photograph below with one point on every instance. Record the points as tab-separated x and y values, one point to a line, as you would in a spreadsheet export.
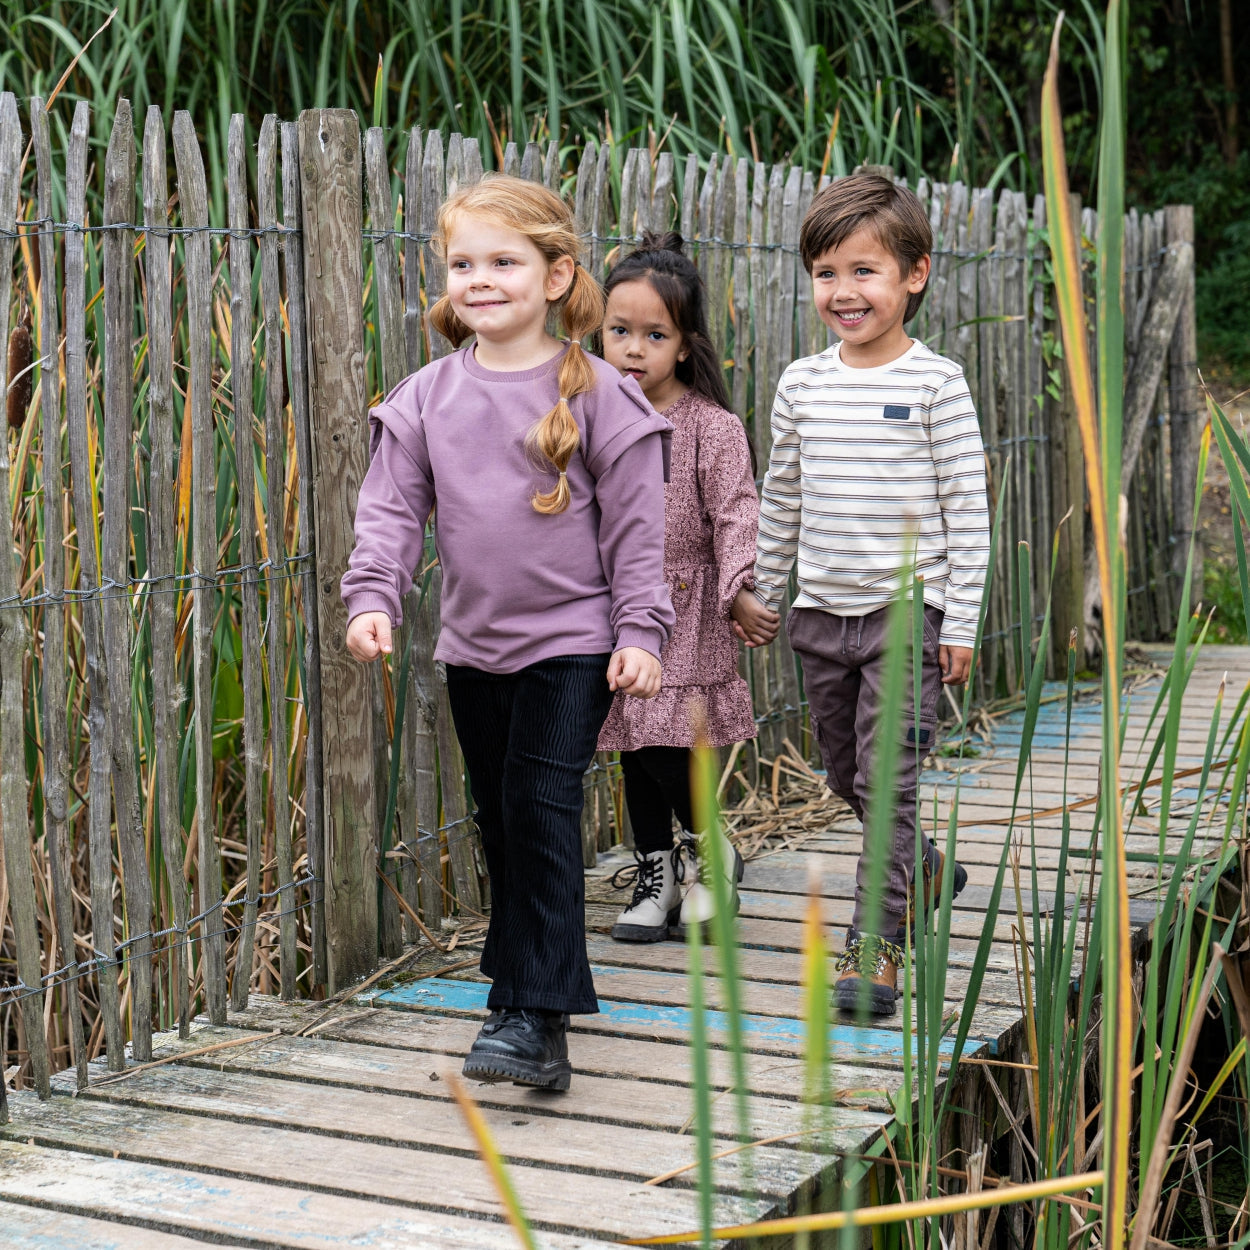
867	974
932	868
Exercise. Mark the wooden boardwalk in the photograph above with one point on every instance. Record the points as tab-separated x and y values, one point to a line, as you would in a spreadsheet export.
327	1128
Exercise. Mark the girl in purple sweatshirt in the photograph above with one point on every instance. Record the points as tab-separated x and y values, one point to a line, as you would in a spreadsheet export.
545	471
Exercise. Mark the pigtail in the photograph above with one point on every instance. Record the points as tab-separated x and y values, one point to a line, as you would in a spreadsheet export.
443	318
555	438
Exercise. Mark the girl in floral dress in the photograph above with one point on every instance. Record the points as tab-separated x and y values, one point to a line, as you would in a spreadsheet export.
655	330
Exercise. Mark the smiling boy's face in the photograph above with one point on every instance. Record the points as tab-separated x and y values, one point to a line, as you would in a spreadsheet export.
861	294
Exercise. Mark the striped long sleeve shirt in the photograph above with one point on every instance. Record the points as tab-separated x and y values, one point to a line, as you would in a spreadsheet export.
864	463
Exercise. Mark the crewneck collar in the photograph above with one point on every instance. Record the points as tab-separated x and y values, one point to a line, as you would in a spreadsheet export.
871	370
469	356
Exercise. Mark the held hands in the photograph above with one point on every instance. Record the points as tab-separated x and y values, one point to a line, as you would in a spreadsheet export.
369	636
755	624
631	670
955	663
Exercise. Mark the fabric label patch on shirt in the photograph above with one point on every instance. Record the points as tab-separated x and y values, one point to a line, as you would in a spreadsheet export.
897	412
924	735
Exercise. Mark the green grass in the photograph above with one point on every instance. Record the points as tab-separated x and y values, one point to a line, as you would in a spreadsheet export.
765	78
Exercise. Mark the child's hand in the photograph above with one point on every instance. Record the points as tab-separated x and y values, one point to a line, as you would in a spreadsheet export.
955	663
631	670
369	636
755	624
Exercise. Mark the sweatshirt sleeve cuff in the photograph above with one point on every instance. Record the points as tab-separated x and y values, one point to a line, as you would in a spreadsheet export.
370	601
649	640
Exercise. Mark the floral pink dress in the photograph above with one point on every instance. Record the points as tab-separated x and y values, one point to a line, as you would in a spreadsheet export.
711	515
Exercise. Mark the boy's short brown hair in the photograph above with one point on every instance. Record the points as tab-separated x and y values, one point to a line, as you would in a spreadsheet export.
873	202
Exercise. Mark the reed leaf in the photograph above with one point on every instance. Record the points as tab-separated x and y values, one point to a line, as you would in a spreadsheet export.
1099	426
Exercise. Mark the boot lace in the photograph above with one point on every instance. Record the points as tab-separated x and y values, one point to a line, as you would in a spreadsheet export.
645	874
866	955
686	858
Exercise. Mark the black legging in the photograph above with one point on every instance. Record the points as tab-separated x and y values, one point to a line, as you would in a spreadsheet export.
528	738
657	787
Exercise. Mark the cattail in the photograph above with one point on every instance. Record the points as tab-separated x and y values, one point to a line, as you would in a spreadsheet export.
21	375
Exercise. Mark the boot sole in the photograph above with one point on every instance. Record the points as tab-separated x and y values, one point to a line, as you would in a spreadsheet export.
646	932
639	933
853	999
493	1069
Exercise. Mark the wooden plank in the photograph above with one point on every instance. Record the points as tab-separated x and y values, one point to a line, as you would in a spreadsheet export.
638	1058
433	190
193	202
551	167
329	145
704	258
118	466
413	1179
532	162
368	1092
55	745
455	157
390	339
759	321
764	1034
805	319
14	640
584	202
413	341
162	541
245	470
601	213
628	229
662	194
37	1228
275	532
421	761
306	537
99	807
740	371
689	199
511	160
208	1205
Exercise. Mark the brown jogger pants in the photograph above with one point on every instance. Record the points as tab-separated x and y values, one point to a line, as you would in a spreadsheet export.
843	661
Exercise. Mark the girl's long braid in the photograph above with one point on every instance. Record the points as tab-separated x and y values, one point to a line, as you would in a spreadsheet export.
555	438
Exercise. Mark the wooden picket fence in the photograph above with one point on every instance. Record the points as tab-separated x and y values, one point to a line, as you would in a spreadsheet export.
172	665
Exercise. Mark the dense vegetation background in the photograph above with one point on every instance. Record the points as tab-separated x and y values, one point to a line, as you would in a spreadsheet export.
933	85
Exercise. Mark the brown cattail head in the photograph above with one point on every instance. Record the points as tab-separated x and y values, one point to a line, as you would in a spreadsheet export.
21	377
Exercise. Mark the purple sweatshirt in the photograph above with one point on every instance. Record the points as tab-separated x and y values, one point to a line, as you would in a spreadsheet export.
518	587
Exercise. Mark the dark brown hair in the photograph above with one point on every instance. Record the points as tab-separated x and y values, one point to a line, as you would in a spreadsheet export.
872	202
662	262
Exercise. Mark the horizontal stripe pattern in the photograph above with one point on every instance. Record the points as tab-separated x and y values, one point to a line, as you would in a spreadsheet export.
849	488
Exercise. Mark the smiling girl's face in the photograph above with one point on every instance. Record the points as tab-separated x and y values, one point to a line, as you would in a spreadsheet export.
499	283
641	341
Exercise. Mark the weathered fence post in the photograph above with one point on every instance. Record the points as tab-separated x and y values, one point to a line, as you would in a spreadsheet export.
13	646
330	184
1183	406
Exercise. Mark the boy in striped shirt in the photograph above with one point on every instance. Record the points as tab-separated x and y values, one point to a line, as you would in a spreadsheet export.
876	450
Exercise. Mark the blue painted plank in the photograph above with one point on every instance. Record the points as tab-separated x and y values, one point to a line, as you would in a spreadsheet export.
846	1041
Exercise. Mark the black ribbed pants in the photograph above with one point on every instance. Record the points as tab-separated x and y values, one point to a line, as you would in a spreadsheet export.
657	787
528	738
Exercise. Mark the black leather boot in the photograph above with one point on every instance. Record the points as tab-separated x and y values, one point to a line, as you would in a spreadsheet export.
526	1047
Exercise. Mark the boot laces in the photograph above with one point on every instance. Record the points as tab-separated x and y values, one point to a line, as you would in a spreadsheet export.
866	955
687	858
645	874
